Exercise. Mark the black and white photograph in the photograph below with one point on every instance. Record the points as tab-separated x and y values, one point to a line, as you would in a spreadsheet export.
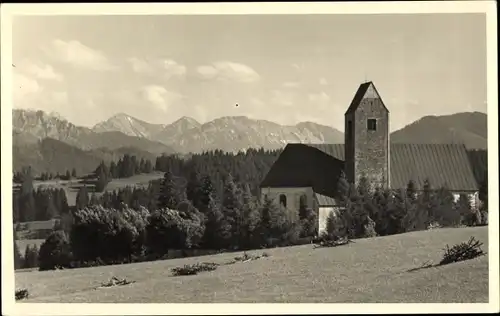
217	153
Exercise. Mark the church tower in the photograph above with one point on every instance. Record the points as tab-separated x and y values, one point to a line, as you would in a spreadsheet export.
367	138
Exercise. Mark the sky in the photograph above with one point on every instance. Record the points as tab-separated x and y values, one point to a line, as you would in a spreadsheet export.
282	68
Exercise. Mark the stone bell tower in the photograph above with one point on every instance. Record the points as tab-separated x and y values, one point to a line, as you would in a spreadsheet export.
367	145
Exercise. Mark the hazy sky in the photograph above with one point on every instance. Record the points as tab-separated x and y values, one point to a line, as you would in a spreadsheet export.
281	68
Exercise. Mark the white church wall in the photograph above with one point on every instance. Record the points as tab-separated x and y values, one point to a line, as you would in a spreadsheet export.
292	196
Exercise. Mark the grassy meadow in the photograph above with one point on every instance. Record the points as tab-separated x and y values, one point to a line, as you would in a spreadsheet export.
71	187
371	270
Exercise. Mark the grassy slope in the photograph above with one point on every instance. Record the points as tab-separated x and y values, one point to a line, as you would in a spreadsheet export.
370	270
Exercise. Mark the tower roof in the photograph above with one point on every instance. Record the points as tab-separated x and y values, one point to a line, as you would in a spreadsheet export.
366	90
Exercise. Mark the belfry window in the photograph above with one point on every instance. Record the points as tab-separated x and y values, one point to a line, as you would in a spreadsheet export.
372	124
283	200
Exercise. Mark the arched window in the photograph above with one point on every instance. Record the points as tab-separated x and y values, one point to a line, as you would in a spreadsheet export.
283	200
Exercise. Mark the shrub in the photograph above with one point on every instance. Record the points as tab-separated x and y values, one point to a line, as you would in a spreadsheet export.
55	252
108	234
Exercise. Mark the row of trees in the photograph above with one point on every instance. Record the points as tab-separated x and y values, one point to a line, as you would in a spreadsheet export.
192	216
38	205
20	176
181	219
366	212
127	166
248	167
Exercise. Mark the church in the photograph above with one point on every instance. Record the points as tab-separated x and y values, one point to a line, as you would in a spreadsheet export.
311	171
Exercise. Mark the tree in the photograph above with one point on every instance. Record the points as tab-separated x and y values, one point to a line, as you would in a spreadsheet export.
194	190
27	205
31	257
428	203
55	252
169	196
232	208
148	166
483	193
62	202
102	178
167	230
68	175
113	170
73	173
469	216
249	233
82	197
308	218
18	258
335	226
93	199
50	210
217	232
416	217
446	214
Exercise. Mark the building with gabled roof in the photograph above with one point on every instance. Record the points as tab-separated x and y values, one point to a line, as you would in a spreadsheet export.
311	171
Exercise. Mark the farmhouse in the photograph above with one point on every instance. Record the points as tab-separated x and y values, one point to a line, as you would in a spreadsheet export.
311	171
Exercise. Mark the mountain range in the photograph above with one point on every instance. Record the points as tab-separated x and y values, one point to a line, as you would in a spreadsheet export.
36	133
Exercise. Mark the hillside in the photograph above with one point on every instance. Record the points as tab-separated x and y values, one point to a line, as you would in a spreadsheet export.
29	124
226	133
355	273
124	134
469	128
128	125
51	155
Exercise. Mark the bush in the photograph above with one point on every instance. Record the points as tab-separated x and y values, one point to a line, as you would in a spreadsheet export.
109	234
55	252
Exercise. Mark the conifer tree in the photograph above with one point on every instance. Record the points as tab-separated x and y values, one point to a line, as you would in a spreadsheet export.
168	196
250	220
82	198
194	190
18	258
27	205
232	207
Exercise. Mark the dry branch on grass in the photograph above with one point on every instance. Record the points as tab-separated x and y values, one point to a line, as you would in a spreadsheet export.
192	269
463	251
246	257
114	281
459	252
22	294
333	243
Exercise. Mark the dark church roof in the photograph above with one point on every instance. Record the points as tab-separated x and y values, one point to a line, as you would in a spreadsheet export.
366	90
442	164
300	165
